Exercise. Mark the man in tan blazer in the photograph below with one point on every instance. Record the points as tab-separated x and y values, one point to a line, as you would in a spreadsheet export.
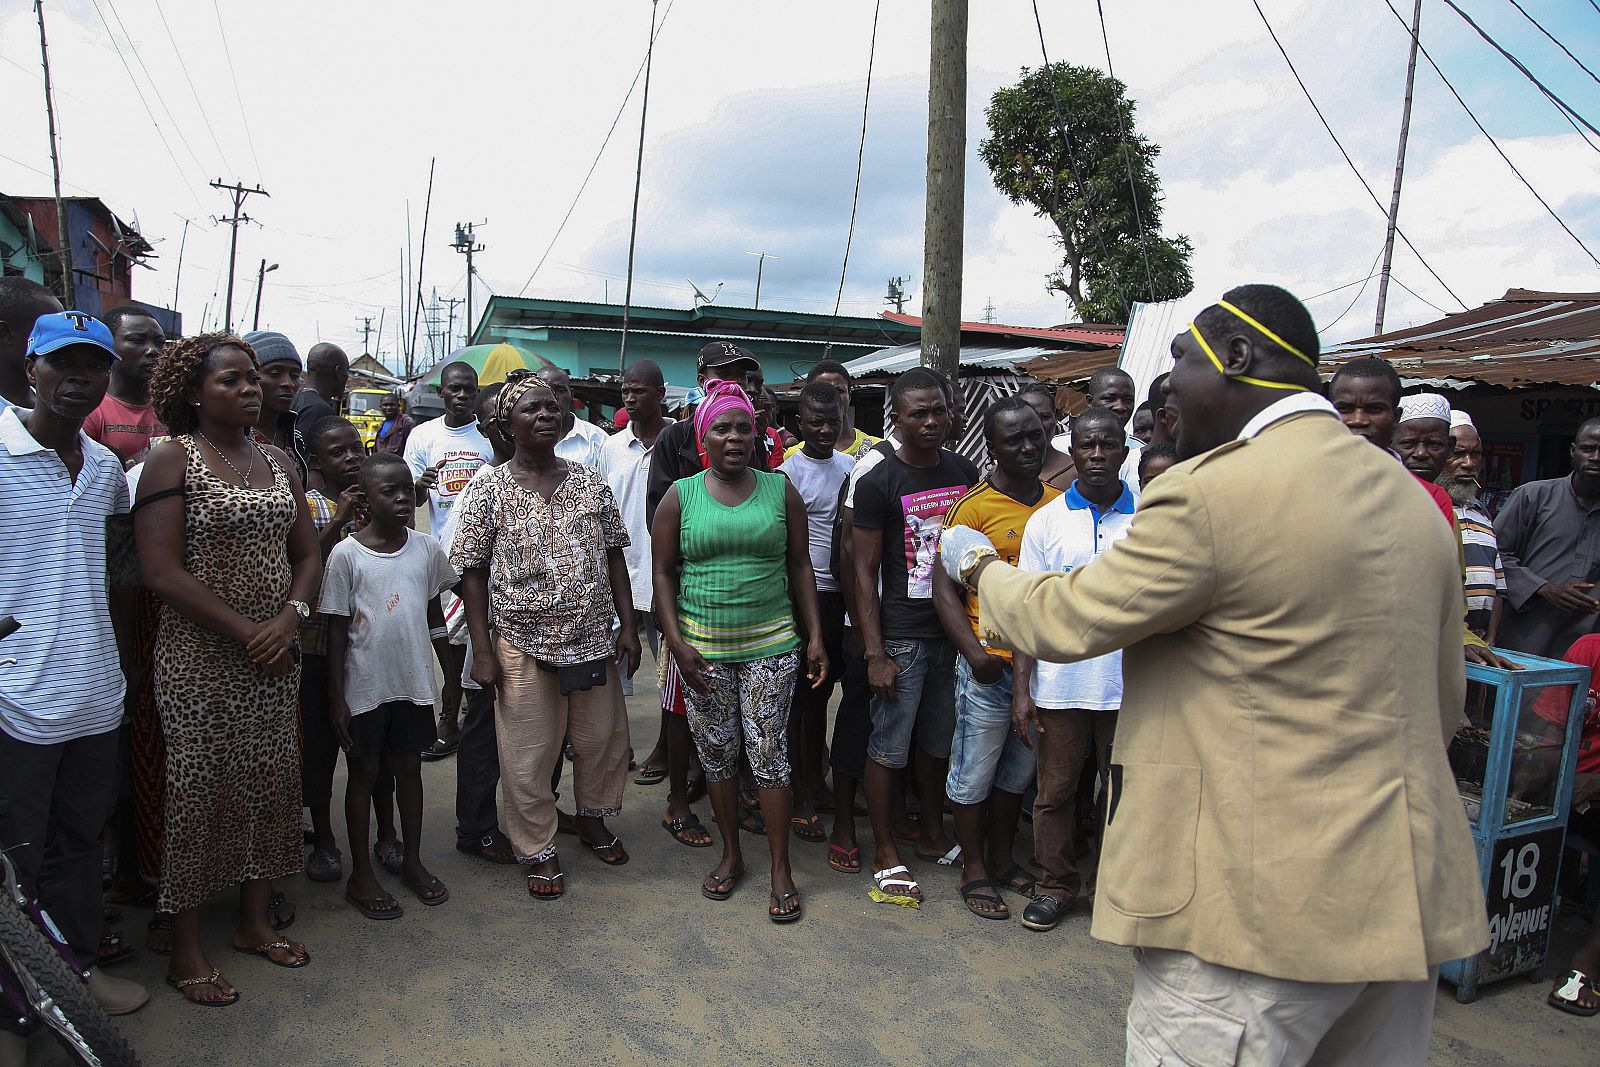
1284	846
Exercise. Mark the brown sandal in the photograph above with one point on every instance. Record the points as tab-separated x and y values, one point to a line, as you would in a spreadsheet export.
183	985
301	956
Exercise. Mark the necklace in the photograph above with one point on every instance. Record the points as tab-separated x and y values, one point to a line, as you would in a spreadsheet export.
244	476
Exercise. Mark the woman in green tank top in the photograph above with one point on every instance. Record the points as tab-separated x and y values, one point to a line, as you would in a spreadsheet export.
732	567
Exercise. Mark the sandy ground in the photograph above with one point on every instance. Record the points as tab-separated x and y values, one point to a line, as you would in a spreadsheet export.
634	965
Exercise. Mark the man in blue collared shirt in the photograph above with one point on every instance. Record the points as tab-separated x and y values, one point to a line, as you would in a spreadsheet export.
61	688
1071	706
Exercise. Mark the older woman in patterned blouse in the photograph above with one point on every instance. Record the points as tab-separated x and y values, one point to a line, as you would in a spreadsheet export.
539	541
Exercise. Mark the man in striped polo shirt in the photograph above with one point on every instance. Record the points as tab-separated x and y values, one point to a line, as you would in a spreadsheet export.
61	686
1486	576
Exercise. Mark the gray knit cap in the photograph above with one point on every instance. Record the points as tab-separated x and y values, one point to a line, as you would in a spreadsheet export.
272	347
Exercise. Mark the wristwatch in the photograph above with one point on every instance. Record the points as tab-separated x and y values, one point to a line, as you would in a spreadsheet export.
301	608
971	558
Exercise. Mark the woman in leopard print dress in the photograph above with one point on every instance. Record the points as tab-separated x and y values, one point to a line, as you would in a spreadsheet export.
226	541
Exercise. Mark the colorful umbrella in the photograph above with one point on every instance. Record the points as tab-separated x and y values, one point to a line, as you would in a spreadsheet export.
492	362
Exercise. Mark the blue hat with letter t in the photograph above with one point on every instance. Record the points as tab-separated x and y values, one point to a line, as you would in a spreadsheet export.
51	333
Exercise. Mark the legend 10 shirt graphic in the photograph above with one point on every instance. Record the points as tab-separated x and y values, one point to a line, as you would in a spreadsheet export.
908	505
457	452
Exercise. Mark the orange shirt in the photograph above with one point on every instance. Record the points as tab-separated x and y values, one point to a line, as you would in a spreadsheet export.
1002	520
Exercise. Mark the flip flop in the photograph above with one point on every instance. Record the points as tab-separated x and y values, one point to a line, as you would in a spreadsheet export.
970	892
1565	995
751	822
279	923
778	901
181	984
384	907
808	829
650	776
948	859
549	880
616	843
439	889
265	952
1010	879
113	948
440	749
677	828
730	880
844	860
159	923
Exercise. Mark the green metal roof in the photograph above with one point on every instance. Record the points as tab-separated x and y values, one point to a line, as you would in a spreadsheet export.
508	312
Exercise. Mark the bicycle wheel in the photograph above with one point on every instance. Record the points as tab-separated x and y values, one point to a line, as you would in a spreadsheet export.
71	1014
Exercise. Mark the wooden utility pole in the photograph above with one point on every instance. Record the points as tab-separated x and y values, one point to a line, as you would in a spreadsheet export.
63	245
947	151
638	180
239	192
1399	169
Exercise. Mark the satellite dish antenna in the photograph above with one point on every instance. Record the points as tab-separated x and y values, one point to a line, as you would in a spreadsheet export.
700	297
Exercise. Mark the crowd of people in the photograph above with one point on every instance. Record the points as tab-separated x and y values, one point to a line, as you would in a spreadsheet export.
224	583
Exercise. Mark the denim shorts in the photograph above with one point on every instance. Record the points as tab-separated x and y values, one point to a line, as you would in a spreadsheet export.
924	707
985	754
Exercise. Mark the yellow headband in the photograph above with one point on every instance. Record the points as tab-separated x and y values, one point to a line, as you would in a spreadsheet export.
1280	342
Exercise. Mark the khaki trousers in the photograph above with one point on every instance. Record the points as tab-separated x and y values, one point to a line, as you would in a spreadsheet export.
1188	1011
532	719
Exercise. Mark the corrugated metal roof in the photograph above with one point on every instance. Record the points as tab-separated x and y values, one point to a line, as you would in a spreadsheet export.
1525	338
904	357
1071	333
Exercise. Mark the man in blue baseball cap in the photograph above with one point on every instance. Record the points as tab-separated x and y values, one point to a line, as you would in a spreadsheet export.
61	700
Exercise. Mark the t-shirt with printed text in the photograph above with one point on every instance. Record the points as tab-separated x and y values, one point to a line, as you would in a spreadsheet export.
458	451
908	504
126	429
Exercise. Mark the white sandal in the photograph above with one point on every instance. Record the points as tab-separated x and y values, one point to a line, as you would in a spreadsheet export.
1566	995
884	879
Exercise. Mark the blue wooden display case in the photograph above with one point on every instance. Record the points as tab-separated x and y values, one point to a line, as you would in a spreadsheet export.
1514	757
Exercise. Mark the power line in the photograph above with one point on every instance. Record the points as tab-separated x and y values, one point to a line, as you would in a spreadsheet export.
596	161
1562	105
160	99
1372	272
1066	146
183	66
1352	163
233	72
1127	159
855	197
1554	41
1491	140
147	110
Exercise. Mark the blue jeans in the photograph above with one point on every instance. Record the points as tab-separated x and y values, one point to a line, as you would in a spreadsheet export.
985	754
924	706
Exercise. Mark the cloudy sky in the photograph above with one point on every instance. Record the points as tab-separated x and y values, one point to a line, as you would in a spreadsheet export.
336	109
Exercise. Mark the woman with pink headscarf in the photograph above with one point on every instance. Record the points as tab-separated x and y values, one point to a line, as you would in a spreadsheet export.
732	566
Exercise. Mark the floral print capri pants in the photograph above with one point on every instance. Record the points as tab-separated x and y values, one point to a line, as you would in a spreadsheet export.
750	701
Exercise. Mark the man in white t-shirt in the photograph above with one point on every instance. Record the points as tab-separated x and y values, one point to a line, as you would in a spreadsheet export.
624	462
443	455
580	441
818	471
1075	705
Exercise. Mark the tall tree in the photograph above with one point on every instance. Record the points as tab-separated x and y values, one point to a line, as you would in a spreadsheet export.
1109	226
